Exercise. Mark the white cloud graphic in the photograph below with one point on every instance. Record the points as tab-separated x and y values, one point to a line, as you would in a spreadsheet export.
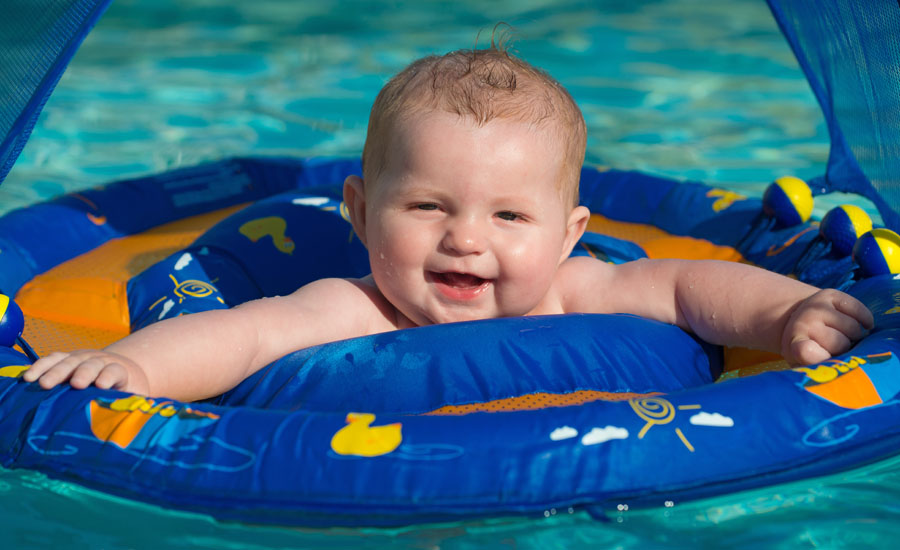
165	309
310	201
564	432
600	435
714	419
183	261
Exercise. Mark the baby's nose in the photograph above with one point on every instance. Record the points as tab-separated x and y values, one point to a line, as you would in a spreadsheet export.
464	237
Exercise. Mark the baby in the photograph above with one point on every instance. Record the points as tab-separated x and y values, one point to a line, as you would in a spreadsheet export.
468	208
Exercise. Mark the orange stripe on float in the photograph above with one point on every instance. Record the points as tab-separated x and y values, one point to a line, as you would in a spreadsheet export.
94	301
634	232
661	244
853	390
688	248
89	291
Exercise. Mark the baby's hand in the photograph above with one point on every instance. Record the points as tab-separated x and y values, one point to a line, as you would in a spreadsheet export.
823	325
82	368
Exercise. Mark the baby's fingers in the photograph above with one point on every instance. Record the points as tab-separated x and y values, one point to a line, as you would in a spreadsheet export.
85	373
804	351
847	325
113	376
848	305
821	343
42	365
79	368
57	374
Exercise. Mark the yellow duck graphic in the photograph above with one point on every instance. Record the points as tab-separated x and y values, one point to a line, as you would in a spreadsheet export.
357	438
272	226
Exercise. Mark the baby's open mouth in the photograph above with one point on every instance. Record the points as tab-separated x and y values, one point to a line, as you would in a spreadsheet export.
459	280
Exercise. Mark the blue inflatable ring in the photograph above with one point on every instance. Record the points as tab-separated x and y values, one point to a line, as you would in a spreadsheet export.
461	420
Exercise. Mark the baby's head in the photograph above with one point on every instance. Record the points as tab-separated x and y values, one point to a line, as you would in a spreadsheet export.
468	203
480	86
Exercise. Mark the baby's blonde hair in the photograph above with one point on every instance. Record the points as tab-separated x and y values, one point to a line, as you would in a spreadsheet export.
482	85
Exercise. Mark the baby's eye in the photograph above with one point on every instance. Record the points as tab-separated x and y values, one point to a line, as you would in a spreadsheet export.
508	216
427	206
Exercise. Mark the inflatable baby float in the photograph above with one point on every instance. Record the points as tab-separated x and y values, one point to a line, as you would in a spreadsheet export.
500	416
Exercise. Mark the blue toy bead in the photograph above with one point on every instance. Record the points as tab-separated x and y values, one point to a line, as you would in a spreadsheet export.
842	225
789	200
12	322
877	252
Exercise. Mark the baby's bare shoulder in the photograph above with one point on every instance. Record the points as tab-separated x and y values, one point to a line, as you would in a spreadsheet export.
580	284
580	270
356	299
348	307
335	295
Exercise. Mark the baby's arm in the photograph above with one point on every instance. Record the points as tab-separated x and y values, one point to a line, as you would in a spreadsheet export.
204	354
724	303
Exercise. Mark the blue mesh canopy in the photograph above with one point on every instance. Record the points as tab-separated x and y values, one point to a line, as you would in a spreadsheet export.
850	52
37	40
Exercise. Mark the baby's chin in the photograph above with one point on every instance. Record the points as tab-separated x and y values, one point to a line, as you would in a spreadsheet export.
421	318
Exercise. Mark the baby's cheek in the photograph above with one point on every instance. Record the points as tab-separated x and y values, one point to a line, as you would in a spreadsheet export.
393	255
532	268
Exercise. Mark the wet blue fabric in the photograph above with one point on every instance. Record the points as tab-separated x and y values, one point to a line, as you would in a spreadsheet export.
475	362
265	452
716	215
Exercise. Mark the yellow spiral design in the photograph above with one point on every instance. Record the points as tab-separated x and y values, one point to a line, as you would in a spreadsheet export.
194	288
653	410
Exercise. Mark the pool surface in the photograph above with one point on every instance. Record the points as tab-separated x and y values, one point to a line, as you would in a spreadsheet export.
690	89
686	88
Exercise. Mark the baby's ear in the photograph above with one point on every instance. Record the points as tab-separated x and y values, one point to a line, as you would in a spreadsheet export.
355	199
575	227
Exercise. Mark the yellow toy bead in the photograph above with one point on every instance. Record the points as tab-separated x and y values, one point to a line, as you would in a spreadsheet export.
877	252
842	225
11	321
789	200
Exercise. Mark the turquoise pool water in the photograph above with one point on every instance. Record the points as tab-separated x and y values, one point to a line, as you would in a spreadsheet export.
857	509
684	88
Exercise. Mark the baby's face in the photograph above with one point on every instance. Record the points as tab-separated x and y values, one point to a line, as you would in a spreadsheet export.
467	222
